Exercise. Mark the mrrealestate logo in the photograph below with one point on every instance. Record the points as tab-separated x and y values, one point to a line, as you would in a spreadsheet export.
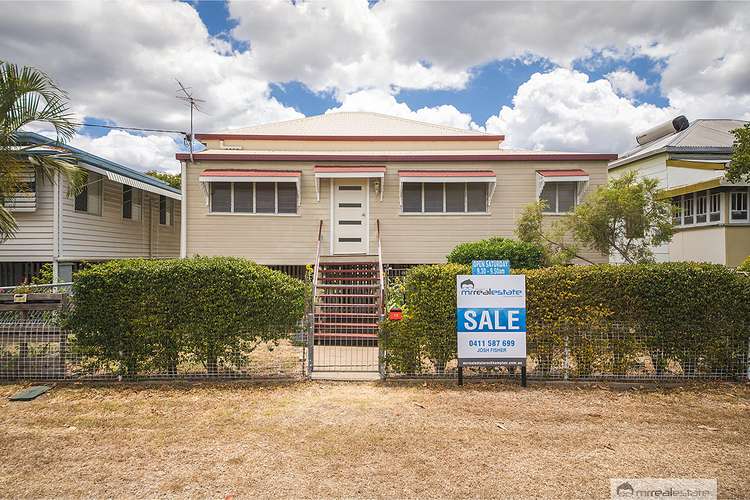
625	490
468	288
703	489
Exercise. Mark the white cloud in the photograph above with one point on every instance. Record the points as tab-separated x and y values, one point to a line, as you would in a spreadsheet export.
340	45
563	110
139	152
626	82
382	102
119	60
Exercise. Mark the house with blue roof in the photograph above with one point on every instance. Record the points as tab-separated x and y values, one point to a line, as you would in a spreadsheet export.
120	213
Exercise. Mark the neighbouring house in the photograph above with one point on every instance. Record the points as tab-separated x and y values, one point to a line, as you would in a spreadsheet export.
712	220
363	187
121	213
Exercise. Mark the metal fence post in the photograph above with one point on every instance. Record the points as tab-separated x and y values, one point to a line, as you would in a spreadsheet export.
566	359
382	349
310	344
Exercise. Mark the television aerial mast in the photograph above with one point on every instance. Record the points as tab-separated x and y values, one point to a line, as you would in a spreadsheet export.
183	94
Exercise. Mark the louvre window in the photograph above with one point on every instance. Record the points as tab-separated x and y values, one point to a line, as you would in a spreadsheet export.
560	197
444	197
254	197
132	199
738	207
703	207
714	214
166	211
89	200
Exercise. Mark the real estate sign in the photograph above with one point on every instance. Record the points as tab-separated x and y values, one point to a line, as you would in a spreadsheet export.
491	320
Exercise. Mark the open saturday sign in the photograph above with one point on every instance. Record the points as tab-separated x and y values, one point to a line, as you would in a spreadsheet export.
491	319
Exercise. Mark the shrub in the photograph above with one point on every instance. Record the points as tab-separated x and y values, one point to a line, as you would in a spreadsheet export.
153	314
521	255
695	314
745	266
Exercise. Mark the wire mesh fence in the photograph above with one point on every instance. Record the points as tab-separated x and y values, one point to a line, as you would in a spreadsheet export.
610	352
35	345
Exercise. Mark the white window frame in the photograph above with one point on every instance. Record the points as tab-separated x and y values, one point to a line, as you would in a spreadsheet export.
169	211
98	179
25	199
254	213
682	200
746	193
576	195
136	202
422	212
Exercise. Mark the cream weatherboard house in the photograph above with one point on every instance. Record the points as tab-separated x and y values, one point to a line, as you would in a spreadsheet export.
712	218
121	213
351	190
262	192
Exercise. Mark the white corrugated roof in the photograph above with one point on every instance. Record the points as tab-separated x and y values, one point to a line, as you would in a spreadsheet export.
351	124
703	134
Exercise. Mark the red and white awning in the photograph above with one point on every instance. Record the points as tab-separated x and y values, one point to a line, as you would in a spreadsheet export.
487	176
447	176
250	175
348	172
562	175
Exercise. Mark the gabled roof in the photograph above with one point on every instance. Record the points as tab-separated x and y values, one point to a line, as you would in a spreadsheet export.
709	136
118	171
350	125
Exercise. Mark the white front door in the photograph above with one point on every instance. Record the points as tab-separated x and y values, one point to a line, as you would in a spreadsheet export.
350	210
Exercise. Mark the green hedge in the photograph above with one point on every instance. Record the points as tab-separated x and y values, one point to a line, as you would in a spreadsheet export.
139	315
521	255
695	314
745	266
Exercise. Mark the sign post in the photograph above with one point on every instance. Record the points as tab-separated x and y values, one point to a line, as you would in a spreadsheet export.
491	321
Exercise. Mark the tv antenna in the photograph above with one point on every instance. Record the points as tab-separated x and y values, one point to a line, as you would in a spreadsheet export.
183	94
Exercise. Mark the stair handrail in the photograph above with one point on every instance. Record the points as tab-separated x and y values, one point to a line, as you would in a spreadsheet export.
380	270
317	263
311	333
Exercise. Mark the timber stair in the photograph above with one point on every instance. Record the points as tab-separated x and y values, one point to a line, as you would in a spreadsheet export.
348	301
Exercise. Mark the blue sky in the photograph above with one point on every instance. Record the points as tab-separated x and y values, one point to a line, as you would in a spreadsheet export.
551	76
492	85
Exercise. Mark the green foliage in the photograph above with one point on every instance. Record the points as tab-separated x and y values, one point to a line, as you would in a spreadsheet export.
27	95
43	276
739	167
173	180
697	315
550	236
626	216
139	315
521	255
396	293
745	266
405	351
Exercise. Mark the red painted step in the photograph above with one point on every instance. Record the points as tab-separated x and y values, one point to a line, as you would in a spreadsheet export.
342	336
348	278
348	314
332	304
339	286
353	295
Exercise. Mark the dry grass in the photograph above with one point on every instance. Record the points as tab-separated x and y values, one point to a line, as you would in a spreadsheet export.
368	440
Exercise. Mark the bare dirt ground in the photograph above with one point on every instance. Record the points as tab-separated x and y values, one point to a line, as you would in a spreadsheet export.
368	440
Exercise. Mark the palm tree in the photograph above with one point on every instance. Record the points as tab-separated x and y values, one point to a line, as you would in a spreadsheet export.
27	96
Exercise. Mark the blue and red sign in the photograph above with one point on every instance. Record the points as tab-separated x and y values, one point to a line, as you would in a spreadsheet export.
491	319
